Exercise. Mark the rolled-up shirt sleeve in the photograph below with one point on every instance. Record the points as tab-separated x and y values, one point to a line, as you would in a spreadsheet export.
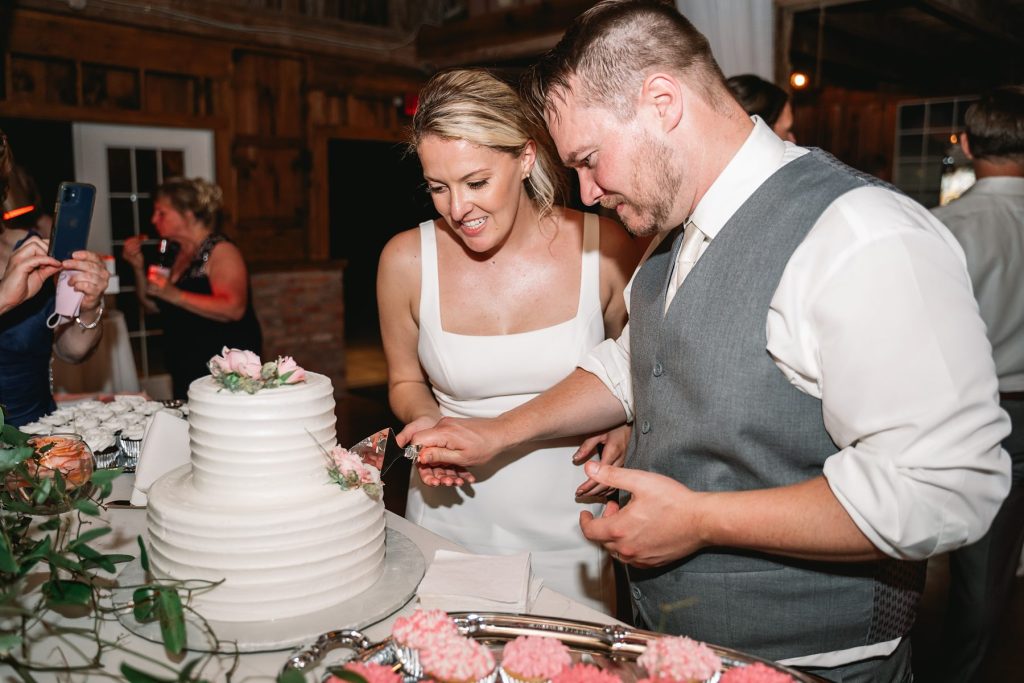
609	361
907	382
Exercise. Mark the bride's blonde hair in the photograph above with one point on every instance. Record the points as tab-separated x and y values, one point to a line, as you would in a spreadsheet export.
475	106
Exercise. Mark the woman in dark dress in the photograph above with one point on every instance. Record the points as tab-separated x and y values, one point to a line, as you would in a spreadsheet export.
27	300
206	300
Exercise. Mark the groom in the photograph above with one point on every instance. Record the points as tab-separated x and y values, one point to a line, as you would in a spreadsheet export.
812	393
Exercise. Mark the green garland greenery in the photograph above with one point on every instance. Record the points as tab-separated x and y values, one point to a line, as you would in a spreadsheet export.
55	548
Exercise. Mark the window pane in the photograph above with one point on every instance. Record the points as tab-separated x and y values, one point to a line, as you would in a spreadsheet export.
123	269
145	169
940	115
938	145
128	304
910	145
155	348
119	169
146	216
122	218
912	116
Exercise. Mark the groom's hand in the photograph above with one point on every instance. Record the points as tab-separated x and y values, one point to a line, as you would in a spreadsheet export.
661	522
459	441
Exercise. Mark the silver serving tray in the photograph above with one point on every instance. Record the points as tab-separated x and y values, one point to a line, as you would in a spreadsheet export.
612	648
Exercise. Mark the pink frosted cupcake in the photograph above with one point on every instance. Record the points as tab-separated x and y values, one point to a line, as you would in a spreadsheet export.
373	673
533	659
755	673
679	659
459	660
585	673
421	630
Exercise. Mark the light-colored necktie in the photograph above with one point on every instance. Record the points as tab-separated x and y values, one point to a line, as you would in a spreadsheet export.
689	252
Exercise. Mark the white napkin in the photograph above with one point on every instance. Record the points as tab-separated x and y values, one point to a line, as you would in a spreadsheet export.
164	448
462	582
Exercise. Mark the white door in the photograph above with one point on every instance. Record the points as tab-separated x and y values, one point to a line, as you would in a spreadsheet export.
126	164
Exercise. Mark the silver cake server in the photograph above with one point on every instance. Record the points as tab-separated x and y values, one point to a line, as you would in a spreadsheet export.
381	449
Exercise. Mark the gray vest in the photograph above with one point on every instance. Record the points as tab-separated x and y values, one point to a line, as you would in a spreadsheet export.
715	413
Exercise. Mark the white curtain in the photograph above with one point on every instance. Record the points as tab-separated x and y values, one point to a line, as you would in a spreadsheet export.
741	33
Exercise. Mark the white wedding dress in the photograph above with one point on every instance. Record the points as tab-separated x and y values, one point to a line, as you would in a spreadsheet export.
523	500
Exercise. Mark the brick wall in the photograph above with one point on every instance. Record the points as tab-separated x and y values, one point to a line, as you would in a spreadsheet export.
302	315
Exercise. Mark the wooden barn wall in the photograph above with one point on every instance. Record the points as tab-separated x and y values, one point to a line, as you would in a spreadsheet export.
269	109
858	127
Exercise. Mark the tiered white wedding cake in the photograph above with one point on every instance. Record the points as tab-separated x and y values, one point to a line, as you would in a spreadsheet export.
258	508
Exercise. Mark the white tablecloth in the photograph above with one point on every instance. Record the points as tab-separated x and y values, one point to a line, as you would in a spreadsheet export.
128	523
109	370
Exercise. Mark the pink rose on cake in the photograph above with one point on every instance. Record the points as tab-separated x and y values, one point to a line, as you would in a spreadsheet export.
239	370
348	471
244	363
289	371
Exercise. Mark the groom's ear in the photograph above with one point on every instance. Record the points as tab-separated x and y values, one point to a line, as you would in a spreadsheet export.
663	95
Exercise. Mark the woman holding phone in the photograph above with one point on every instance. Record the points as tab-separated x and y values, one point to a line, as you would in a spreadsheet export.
205	300
27	299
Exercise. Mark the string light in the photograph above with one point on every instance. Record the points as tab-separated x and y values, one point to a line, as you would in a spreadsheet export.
799	80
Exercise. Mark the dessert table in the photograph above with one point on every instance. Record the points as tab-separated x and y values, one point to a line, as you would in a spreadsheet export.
110	369
127	523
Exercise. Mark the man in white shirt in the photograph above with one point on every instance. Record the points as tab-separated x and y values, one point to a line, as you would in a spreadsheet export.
814	411
988	221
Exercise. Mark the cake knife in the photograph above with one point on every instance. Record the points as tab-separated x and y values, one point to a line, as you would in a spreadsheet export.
381	450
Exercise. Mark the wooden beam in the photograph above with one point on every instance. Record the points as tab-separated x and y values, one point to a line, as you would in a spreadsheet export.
995	18
521	32
68	37
253	27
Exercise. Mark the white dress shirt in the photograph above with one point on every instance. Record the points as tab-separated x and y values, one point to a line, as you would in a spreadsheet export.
874	315
988	221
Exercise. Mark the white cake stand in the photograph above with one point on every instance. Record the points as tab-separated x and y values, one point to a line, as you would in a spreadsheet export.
403	568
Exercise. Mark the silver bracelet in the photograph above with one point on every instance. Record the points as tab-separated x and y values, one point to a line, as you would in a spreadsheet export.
94	323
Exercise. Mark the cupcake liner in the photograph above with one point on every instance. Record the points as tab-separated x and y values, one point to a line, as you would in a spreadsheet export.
107	458
410	660
129	452
508	677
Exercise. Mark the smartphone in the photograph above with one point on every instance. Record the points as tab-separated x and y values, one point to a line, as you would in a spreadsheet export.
72	218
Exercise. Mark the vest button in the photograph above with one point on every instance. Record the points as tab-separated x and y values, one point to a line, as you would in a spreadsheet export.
645	427
635	592
658	370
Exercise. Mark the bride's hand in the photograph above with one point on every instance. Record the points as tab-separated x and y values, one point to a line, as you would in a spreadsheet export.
444	475
438	474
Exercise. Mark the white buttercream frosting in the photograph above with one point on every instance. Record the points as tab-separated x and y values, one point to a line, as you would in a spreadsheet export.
256	508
